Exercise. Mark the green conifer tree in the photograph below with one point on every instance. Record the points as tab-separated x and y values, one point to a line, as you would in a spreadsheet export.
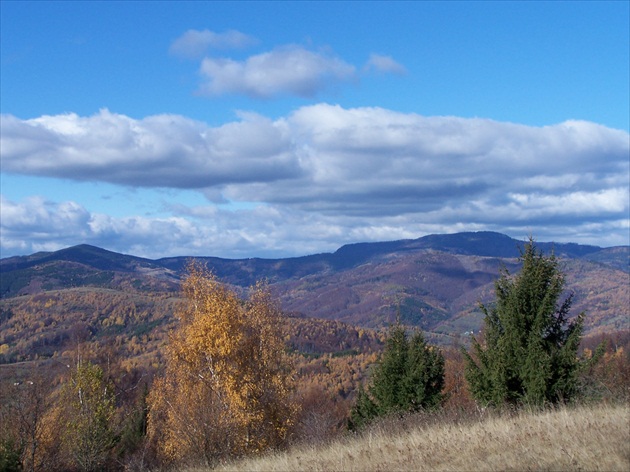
409	377
363	411
389	386
424	379
529	351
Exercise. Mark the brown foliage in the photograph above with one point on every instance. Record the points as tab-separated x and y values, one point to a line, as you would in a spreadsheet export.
457	395
23	415
608	378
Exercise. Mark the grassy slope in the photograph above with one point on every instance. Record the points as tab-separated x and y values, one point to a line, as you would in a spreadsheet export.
584	438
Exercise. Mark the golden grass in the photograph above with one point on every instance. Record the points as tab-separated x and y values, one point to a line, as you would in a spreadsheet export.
588	438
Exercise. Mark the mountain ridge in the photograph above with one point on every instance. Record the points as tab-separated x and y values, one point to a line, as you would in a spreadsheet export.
482	243
434	282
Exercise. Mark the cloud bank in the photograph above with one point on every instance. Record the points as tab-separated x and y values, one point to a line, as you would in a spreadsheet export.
319	177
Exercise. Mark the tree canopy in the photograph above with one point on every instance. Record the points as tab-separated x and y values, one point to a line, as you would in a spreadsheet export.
89	408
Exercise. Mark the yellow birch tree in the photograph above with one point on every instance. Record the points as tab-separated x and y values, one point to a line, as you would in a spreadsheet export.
227	386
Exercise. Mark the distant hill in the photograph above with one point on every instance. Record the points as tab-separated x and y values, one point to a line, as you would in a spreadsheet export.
435	282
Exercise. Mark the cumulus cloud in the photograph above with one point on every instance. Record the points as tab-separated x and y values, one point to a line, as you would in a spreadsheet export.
285	70
37	224
290	70
322	176
386	64
158	151
263	231
194	44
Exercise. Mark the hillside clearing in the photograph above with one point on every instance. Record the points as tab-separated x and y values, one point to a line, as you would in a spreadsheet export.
584	438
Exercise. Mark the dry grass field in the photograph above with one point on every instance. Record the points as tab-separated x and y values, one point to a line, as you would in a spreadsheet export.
587	438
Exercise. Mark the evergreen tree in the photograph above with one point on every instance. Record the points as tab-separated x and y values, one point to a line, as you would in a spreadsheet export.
425	375
409	377
529	353
134	427
363	411
388	386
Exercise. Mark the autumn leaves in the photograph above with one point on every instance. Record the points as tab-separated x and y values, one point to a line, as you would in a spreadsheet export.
227	387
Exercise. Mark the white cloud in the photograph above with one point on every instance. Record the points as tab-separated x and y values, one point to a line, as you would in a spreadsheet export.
290	70
194	43
581	203
318	178
37	224
158	151
386	64
263	231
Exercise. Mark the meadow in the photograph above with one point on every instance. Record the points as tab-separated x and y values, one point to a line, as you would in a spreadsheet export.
588	437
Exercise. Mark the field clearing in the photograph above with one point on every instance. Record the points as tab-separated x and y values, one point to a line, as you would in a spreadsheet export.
593	438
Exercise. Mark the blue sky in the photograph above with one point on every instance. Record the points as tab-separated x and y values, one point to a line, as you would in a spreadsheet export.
272	129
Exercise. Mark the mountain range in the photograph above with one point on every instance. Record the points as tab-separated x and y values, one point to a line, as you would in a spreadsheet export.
435	282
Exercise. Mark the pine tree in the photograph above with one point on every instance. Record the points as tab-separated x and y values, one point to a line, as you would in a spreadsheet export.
529	351
408	378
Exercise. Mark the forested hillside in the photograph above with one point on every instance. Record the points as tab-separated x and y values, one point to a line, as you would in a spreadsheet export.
436	282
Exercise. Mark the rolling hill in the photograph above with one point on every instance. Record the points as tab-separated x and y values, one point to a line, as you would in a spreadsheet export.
434	282
122	307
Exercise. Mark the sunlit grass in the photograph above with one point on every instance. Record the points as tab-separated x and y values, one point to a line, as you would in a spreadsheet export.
585	438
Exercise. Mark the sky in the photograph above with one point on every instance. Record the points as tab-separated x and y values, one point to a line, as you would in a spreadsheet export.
280	129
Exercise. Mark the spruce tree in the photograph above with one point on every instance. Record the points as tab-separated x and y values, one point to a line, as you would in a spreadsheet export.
409	377
363	411
529	351
388	386
424	381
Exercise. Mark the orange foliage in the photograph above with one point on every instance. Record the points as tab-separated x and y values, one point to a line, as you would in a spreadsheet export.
457	395
608	378
227	388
